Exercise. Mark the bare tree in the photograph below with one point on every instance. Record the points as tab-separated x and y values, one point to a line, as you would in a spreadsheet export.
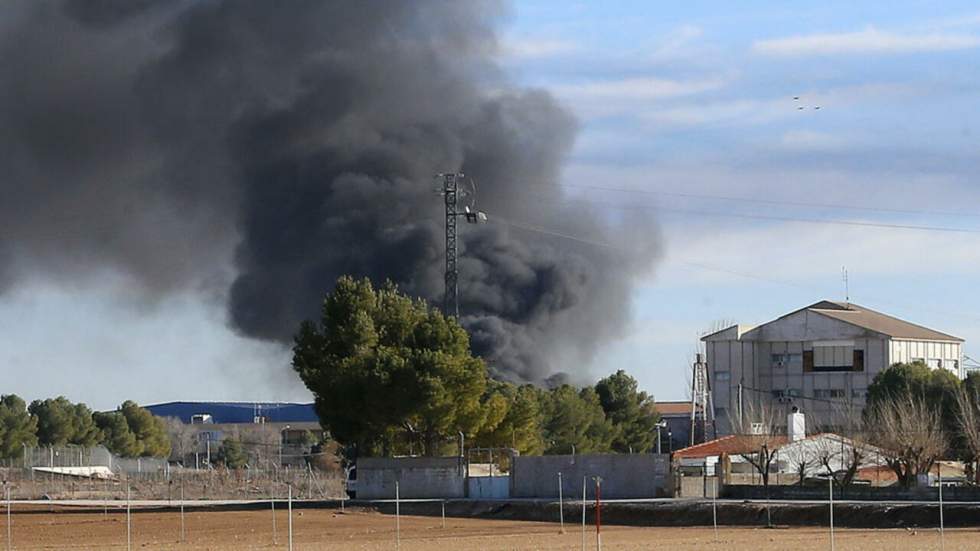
968	423
801	459
757	438
910	435
843	453
183	438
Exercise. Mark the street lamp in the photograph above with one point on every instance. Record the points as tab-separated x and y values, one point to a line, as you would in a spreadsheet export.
660	425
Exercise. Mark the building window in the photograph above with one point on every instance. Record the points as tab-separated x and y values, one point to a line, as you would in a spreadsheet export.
859	393
832	356
794	392
828	393
786	360
722	376
778	394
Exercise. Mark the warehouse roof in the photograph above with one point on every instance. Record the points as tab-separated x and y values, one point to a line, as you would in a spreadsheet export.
852	314
237	412
876	321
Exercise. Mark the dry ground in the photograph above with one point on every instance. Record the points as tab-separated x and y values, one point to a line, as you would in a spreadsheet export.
367	530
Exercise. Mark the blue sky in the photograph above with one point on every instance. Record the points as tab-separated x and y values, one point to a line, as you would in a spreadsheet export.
696	99
683	108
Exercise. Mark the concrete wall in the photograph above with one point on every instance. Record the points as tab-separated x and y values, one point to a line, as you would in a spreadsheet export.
623	476
418	477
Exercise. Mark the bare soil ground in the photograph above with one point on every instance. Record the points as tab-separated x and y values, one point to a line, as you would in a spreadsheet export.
368	530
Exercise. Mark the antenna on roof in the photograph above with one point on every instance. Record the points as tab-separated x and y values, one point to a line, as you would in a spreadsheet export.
847	286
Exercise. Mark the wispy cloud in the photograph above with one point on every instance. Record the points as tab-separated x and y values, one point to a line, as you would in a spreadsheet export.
537	48
867	41
637	88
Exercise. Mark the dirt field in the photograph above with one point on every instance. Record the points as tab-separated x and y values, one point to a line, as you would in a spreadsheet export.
366	530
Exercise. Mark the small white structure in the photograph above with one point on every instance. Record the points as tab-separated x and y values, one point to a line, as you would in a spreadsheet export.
796	425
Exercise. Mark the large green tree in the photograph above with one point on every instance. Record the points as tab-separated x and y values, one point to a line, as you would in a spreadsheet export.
60	422
937	388
132	431
575	417
381	364
630	411
513	418
17	426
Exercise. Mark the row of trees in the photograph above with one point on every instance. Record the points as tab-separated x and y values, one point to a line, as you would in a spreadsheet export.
391	375
130	431
914	416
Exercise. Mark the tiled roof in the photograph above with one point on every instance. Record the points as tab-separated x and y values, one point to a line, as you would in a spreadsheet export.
673	408
878	322
732	444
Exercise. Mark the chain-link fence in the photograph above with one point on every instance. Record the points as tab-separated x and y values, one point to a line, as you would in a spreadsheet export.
74	472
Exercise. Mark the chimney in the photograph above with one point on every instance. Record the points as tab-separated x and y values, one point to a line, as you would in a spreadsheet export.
796	425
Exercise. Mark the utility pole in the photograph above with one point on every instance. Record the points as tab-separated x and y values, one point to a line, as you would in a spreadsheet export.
700	398
451	193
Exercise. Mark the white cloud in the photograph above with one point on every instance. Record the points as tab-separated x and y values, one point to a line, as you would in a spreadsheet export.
531	48
636	89
867	41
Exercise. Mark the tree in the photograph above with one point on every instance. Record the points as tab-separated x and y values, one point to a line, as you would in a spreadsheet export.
513	419
968	417
937	388
379	363
232	454
17	426
183	438
910	434
575	418
132	431
115	434
149	429
844	453
60	422
630	412
756	432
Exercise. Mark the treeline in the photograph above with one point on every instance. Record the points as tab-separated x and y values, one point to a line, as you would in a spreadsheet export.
392	376
130	431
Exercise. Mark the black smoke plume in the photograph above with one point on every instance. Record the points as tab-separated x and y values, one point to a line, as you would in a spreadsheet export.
296	142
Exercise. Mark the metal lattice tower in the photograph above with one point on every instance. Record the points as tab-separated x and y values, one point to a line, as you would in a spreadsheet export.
450	191
701	403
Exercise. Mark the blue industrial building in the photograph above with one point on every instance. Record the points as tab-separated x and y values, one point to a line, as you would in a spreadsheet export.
236	412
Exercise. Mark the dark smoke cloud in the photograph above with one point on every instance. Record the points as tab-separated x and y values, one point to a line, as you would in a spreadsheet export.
159	138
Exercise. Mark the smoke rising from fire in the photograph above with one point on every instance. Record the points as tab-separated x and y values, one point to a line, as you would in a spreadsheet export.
297	142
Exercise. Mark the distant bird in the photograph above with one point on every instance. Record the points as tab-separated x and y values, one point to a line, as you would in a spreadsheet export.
800	108
796	97
817	107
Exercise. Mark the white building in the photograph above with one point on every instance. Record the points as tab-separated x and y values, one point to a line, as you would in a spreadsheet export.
820	359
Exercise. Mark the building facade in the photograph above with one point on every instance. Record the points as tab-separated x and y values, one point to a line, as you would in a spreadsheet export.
820	359
272	432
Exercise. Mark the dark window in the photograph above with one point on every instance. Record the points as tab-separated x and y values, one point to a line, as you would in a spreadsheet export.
859	360
807	361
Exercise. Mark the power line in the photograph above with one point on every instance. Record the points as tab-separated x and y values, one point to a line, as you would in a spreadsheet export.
710	268
777	218
774	201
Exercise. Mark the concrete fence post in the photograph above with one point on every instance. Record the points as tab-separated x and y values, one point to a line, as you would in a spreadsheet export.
561	506
398	520
9	534
942	527
129	518
830	483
